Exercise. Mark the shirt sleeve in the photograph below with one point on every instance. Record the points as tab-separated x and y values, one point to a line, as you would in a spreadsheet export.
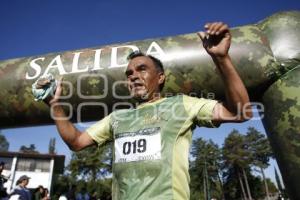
200	110
101	131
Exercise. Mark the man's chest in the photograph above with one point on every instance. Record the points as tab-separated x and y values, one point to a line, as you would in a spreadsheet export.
145	135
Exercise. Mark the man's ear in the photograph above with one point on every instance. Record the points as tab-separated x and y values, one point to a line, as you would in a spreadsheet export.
162	78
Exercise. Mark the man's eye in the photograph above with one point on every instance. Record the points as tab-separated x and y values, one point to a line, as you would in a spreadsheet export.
128	74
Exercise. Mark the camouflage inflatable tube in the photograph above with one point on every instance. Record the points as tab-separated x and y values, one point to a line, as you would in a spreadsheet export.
94	76
282	121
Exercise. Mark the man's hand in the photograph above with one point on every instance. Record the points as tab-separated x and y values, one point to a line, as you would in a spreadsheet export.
53	99
216	39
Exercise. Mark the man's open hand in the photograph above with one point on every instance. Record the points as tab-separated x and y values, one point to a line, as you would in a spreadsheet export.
216	39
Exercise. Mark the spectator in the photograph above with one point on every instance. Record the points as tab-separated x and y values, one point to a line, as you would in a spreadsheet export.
20	191
3	179
39	193
46	195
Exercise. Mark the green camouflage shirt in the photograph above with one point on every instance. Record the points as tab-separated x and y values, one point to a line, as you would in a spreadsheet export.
151	146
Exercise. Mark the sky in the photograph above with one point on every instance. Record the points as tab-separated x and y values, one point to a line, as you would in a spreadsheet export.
36	27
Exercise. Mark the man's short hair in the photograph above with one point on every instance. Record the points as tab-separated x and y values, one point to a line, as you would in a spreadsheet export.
158	64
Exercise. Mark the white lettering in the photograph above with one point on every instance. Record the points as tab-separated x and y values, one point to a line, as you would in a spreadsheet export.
159	53
56	63
75	64
114	55
116	60
36	67
97	59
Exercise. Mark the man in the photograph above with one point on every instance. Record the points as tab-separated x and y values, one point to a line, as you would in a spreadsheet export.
20	191
151	142
3	179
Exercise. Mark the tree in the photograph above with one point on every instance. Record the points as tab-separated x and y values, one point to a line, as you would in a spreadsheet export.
241	153
237	158
90	169
271	186
91	163
205	166
30	149
51	147
4	144
260	150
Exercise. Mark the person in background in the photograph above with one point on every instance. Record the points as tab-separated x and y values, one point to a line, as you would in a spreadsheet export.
21	189
39	193
46	195
3	179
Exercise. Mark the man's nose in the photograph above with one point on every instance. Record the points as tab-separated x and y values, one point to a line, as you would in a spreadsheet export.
134	76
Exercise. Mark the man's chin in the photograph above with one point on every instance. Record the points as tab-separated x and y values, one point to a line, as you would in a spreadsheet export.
142	97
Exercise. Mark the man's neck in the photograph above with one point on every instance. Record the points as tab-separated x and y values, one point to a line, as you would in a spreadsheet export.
153	98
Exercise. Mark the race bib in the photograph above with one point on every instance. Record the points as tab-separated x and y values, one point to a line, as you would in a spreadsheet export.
137	146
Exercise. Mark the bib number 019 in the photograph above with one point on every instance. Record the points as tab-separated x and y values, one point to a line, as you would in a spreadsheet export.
137	146
143	145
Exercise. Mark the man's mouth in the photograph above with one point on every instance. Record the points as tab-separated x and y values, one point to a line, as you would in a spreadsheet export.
137	85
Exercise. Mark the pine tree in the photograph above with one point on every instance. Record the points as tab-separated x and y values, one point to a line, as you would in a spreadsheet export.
51	147
4	144
91	163
260	150
237	158
204	170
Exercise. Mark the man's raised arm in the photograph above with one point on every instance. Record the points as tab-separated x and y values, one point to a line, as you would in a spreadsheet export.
75	139
216	41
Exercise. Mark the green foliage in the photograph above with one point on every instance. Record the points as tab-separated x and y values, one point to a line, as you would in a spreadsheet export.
232	188
259	148
30	149
91	163
271	186
4	144
240	153
51	147
235	151
205	164
89	170
60	185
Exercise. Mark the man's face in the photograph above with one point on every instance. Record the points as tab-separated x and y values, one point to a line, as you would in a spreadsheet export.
143	78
